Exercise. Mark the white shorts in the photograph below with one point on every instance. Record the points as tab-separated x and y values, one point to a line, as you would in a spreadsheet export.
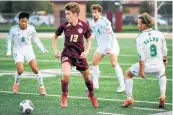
19	54
134	69
114	49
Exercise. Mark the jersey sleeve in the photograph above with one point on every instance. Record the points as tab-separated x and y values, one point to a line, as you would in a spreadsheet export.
163	47
37	40
87	34
9	42
59	30
140	50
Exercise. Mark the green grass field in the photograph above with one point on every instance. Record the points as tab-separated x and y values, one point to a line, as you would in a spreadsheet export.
145	92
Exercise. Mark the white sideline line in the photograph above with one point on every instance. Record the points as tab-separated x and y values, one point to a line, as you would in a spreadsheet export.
38	60
76	97
106	113
148	109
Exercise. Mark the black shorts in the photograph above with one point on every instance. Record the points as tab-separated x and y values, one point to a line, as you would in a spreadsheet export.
80	63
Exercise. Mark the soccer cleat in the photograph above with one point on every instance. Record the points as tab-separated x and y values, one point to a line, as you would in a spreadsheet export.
127	102
96	86
162	102
15	87
42	91
64	102
120	89
93	101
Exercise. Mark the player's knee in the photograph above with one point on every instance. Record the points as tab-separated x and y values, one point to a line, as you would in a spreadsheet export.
128	74
66	75
95	63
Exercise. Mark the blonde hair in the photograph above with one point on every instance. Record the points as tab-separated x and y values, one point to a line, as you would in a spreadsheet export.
73	7
146	19
96	7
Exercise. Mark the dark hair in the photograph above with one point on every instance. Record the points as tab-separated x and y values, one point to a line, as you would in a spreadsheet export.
96	7
146	19
23	15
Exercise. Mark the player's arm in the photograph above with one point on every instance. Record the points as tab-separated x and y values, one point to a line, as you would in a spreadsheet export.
164	51
58	32
141	58
109	31
8	43
38	42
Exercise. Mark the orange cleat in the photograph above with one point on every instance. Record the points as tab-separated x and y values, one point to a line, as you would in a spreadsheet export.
63	102
15	87
93	101
42	91
128	102
162	102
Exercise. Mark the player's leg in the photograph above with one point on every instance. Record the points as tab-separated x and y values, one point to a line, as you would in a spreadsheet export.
89	85
34	67
19	60
95	68
162	83
118	72
17	76
132	71
66	68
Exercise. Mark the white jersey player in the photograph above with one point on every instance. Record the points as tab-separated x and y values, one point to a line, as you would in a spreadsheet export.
152	52
106	45
21	36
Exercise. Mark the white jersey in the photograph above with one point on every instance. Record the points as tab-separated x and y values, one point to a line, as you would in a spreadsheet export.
22	38
151	47
103	32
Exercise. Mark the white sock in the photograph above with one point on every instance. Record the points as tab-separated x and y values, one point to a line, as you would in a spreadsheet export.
162	84
95	75
129	88
39	79
17	77
119	74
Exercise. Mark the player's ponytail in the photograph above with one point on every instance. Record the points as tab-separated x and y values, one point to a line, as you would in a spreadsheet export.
146	19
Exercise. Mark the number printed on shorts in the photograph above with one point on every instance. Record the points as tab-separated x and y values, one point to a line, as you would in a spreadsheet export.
153	50
74	38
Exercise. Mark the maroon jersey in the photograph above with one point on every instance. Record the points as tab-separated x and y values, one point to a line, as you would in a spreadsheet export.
74	38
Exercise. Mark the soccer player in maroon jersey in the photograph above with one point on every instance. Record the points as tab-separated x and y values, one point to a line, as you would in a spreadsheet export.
73	53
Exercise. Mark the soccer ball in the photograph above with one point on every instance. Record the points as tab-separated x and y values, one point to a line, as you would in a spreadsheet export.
26	106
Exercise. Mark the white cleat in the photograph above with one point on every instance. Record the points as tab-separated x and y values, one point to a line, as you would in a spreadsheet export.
120	89
96	87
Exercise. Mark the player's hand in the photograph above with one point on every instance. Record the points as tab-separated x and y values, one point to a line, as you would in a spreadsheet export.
108	51
165	63
84	55
57	54
142	74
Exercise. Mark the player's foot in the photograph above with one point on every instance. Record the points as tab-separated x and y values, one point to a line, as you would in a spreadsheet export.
42	91
162	102
93	101
63	102
15	87
127	102
121	89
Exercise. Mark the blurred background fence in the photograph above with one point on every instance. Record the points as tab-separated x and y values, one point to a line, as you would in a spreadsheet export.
47	15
